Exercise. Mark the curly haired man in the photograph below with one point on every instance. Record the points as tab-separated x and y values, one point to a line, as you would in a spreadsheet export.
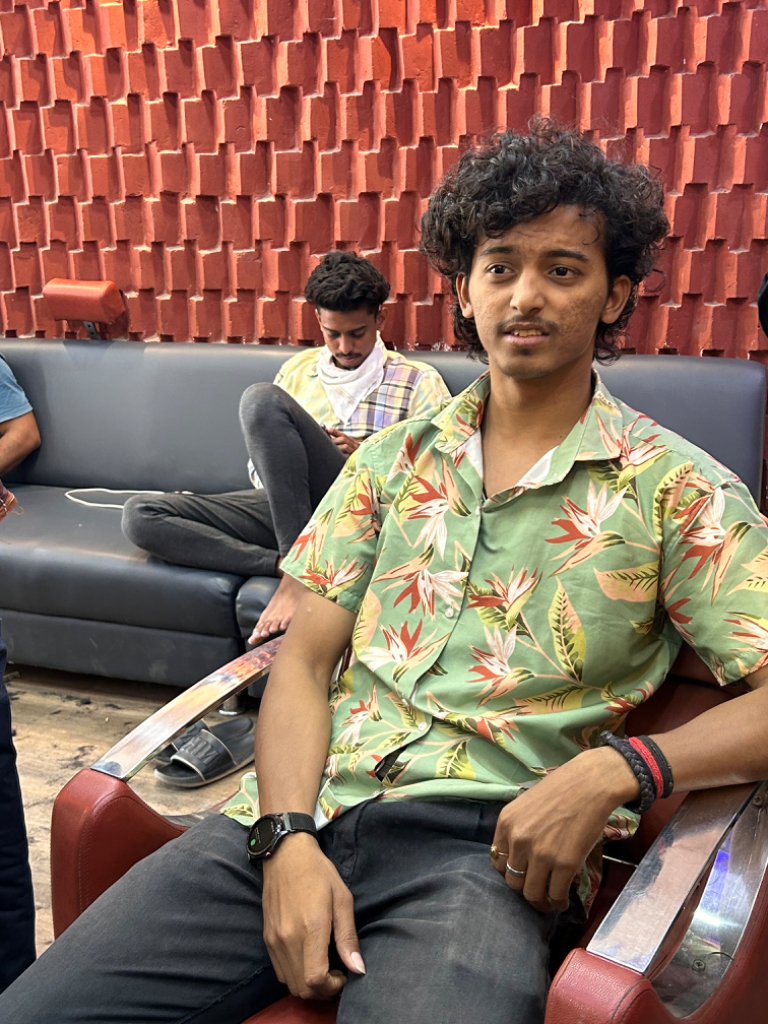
497	568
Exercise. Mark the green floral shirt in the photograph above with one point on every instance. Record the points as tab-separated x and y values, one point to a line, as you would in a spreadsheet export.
497	637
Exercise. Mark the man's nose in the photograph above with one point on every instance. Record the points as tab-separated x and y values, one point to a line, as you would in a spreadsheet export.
527	294
347	344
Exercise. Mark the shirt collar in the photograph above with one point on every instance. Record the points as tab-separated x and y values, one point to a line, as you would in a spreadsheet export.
598	436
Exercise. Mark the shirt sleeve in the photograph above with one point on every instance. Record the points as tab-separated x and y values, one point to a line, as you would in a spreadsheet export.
335	553
428	395
13	401
714	579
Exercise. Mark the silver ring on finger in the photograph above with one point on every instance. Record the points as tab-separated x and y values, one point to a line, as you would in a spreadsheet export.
514	872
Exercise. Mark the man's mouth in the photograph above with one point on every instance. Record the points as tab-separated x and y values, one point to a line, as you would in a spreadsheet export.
524	331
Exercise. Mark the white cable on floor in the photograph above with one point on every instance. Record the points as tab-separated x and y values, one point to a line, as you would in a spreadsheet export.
104	490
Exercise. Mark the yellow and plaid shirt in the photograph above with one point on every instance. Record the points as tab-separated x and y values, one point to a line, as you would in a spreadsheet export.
497	637
409	388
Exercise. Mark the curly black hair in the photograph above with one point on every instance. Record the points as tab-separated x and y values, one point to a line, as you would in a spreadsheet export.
513	178
344	282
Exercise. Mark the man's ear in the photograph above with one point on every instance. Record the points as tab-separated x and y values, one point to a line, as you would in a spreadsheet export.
381	316
617	300
462	294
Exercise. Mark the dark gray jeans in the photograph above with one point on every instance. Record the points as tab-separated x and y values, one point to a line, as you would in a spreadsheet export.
179	938
244	532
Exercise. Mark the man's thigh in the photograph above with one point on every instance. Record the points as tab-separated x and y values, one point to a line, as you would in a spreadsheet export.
179	938
445	940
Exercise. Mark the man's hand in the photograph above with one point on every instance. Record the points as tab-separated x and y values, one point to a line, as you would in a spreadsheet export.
343	442
304	901
549	830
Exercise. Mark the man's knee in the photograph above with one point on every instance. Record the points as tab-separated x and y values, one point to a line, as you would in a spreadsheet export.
259	405
137	516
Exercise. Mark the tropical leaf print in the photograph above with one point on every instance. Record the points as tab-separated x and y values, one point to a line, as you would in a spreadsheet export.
500	604
494	668
638	584
410	716
758	574
423	586
752	631
331	581
706	539
669	495
490	726
583	528
403	650
568	634
455	763
563	698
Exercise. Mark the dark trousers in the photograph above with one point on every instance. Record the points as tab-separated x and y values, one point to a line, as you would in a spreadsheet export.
245	532
17	907
179	938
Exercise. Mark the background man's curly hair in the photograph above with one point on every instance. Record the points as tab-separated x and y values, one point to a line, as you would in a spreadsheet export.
344	282
514	178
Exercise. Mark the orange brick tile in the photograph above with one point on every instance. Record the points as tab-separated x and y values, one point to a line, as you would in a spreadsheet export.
15	30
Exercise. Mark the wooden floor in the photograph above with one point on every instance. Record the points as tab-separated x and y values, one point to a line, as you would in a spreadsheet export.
63	722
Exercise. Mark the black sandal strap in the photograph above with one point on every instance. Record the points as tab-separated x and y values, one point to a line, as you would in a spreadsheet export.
206	755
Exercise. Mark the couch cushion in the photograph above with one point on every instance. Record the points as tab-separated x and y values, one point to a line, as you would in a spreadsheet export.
61	558
252	599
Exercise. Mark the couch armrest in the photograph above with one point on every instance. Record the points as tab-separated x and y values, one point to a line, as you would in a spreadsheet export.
723	832
130	754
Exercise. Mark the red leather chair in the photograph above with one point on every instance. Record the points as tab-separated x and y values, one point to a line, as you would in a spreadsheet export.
679	928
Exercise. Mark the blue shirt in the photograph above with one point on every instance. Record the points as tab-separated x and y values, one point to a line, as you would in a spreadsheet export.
13	401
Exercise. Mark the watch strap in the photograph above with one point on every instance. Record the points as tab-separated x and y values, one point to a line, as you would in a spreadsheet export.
295	821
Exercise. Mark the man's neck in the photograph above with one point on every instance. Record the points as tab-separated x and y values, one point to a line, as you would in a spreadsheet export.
524	419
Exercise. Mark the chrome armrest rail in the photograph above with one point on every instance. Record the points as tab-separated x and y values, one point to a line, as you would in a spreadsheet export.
130	754
724	829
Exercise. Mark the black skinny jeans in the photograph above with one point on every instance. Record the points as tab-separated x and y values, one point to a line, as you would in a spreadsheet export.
179	939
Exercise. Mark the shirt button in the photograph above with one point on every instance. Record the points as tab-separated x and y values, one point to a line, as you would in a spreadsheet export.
449	612
422	726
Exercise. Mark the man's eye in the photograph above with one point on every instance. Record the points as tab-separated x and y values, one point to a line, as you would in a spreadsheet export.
497	268
564	271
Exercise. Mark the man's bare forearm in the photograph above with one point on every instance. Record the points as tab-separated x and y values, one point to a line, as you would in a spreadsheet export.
292	739
721	747
294	728
17	440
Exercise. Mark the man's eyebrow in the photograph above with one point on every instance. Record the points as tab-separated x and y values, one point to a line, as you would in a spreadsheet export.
511	250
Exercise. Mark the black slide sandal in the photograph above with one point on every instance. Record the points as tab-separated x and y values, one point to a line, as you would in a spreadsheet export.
206	759
227	732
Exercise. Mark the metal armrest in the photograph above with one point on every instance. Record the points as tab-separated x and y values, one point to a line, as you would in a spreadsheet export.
721	831
130	754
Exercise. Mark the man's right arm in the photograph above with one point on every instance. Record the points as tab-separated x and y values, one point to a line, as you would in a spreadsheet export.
304	899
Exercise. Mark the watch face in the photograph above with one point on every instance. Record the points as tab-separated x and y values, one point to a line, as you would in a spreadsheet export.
262	836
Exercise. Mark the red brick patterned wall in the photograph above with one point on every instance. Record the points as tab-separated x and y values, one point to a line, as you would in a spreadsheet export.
205	153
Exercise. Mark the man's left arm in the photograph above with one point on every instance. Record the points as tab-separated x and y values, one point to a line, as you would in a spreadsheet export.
18	437
549	830
714	549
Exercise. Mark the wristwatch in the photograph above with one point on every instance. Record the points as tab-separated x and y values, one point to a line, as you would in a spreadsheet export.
266	833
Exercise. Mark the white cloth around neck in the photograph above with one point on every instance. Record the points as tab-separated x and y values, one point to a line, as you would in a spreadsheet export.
346	389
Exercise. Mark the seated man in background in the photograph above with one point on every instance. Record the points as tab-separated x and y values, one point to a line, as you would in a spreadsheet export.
515	574
18	428
299	431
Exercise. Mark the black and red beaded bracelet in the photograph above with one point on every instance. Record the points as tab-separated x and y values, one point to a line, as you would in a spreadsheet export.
649	766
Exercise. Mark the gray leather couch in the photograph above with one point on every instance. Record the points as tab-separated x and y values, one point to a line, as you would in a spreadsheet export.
76	595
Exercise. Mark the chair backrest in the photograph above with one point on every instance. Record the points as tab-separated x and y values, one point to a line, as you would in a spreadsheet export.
164	416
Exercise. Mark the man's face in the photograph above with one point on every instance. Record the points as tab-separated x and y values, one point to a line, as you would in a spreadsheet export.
350	337
538	291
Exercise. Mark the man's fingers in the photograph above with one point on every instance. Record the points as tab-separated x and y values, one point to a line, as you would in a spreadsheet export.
560	888
345	932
